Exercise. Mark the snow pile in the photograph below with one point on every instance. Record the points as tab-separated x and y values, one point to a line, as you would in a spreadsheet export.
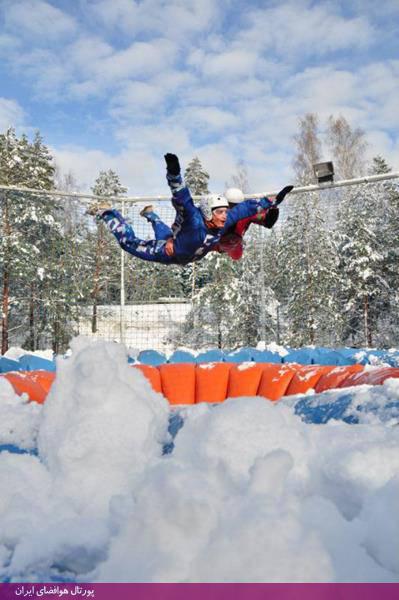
19	418
101	423
250	492
16	352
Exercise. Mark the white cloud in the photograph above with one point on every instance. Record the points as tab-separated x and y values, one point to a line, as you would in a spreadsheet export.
379	83
210	118
324	90
169	17
140	165
87	52
8	43
38	19
157	138
230	64
167	74
11	114
141	59
136	98
296	29
142	101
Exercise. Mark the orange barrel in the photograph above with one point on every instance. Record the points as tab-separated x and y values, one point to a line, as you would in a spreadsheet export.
153	376
211	382
43	378
370	376
244	379
306	378
332	379
23	383
178	382
275	379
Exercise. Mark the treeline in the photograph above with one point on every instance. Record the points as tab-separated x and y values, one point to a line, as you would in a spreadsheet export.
56	263
328	274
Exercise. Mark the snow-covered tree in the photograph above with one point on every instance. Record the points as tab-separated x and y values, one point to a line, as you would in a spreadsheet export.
308	276
211	318
385	199
196	178
31	236
361	263
103	255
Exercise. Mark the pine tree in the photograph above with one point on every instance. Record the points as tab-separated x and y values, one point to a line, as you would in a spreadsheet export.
210	321
361	253
252	299
385	199
103	254
30	232
196	178
308	276
11	173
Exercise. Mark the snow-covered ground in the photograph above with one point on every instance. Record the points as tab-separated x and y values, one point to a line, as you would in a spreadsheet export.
93	489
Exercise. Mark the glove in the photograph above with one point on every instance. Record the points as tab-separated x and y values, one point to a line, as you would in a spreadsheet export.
172	164
282	194
271	217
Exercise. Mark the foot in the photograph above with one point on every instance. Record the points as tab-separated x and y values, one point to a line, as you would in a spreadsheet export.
97	208
146	210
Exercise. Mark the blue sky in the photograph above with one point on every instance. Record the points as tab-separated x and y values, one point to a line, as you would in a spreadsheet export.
117	83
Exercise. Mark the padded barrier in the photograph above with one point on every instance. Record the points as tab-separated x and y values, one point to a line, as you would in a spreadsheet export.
189	383
24	383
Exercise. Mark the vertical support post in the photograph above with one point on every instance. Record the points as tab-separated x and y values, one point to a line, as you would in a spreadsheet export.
5	301
262	292
278	323
122	289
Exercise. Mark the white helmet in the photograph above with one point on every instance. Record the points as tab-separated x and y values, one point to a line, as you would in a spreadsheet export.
209	203
234	196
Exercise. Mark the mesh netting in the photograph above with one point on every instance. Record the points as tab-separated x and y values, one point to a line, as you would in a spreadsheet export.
326	273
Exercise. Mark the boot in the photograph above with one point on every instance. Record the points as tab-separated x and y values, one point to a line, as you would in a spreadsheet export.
146	209
98	207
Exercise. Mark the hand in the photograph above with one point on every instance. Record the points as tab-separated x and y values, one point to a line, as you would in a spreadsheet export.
169	249
172	164
282	194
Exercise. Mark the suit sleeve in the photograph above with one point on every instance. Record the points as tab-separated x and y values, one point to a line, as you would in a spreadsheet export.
245	209
181	197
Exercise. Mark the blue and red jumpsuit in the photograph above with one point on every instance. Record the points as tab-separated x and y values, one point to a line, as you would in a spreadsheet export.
192	237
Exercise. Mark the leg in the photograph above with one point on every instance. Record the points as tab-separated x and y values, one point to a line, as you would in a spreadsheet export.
151	250
161	230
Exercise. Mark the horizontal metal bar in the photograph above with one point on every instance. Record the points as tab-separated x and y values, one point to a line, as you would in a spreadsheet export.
136	199
336	184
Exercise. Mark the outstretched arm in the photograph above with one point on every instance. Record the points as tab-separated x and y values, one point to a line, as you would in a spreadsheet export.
249	208
245	209
182	200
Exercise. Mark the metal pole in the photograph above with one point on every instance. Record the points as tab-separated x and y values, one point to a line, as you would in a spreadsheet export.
278	323
262	293
134	199
122	291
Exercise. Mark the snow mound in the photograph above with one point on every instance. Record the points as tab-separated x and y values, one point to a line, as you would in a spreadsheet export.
249	491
